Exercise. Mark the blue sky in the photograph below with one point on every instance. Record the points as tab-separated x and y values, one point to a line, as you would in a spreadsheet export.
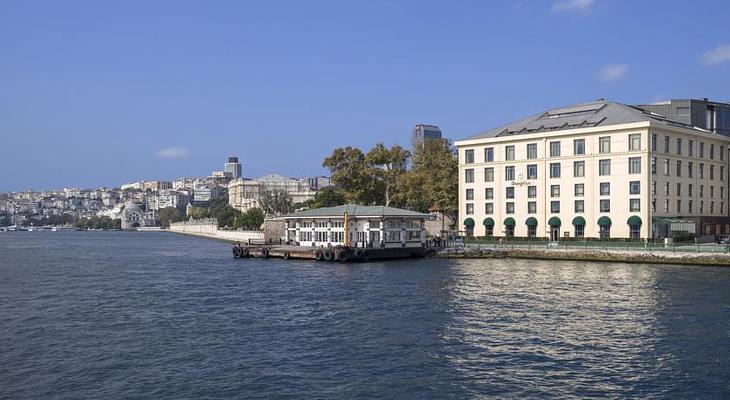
96	93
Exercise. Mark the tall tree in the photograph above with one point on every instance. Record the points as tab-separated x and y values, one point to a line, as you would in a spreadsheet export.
386	166
348	172
276	202
169	214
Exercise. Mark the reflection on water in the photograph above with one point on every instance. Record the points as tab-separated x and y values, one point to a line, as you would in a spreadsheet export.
99	315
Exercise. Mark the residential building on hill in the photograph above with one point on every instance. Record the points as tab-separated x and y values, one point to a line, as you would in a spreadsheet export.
599	169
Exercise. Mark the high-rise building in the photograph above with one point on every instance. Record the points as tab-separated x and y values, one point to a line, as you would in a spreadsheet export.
422	132
702	113
233	168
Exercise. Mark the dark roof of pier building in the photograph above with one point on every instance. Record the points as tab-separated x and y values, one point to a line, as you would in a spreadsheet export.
354	210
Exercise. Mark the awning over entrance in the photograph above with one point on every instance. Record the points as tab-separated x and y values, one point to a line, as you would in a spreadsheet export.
604	221
469	222
554	221
634	220
579	221
532	221
488	221
509	221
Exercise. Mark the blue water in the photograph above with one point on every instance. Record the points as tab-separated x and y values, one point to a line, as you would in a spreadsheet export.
153	315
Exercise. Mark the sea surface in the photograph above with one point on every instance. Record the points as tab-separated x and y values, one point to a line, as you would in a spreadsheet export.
111	315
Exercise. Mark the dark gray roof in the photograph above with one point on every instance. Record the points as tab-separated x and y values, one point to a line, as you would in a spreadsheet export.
354	210
584	115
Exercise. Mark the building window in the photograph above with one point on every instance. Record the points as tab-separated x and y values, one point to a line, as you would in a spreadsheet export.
679	206
469	208
489	154
679	189
722	192
634	187
712	172
666	205
702	206
690	147
605	188
510	193
666	167
666	144
653	205
702	190
469	175
554	149
653	165
579	147
722	153
554	190
532	207
605	205
509	207
679	168
532	192
509	173
489	193
689	190
489	208
679	146
722	172
579	206
579	231
531	151
532	171
701	171
555	170
635	165
489	174
653	188
531	230
579	169
469	156
689	206
634	205
579	190
605	232
666	188
635	142
635	232
712	192
554	206
653	141
702	150
712	151
604	144
470	194
689	168
509	153
604	167
712	207
509	230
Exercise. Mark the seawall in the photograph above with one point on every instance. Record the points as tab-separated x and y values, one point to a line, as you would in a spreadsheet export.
209	229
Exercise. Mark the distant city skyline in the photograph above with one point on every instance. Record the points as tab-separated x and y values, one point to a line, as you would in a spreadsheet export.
98	94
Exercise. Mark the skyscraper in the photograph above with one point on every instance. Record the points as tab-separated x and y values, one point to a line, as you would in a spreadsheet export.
233	168
423	131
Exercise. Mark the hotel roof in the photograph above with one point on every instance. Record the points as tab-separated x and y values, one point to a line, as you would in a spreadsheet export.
354	210
583	115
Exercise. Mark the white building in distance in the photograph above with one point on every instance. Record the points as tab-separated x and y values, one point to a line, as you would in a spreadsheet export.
245	194
598	169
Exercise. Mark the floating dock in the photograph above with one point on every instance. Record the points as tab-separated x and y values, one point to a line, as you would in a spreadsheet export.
328	254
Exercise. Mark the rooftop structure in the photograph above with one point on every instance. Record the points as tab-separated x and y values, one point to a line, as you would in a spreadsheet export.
422	132
702	113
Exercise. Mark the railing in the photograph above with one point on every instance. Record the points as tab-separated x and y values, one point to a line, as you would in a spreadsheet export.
635	246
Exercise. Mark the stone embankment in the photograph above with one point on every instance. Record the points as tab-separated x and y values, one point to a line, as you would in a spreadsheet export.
208	228
714	259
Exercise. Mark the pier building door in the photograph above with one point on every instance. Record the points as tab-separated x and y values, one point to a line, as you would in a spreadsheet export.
554	233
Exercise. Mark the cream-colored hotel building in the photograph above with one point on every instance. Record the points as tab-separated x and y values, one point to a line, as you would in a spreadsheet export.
595	170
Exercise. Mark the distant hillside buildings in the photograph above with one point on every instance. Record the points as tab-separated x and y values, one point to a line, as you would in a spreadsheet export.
244	194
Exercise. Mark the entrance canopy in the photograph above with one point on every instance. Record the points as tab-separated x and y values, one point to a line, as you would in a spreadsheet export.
579	221
469	222
554	221
604	221
488	222
532	221
509	221
634	220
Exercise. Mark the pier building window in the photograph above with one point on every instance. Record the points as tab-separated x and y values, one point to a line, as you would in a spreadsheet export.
321	224
689	190
702	150
469	208
531	192
320	236
469	175
509	153
679	206
701	171
554	190
666	144
666	167
635	142
532	151
394	236
489	174
555	170
579	169
605	188
604	144
712	172
579	190
509	207
712	151
634	187
579	206
509	173
579	147
634	205
605	205
679	189
469	156
489	208
340	224
604	167
690	147
554	149
690	164
338	236
532	171
510	193
489	154
679	146
554	206
305	236
679	168
653	141
489	193
532	207
470	194
653	165
635	165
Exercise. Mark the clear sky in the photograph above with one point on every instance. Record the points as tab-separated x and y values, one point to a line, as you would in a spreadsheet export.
99	93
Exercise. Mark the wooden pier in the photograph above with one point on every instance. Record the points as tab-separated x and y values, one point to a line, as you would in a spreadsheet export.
328	254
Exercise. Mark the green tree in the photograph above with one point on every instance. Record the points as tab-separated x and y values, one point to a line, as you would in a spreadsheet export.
386	167
198	213
349	173
328	197
276	202
250	220
169	214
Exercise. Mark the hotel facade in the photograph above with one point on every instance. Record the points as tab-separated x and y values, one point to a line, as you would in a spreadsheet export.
595	170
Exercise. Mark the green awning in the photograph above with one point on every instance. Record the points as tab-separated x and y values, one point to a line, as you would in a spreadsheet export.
532	221
469	222
604	221
554	221
488	222
509	221
579	221
634	220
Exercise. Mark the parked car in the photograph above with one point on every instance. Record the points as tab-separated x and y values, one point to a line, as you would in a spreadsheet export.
723	239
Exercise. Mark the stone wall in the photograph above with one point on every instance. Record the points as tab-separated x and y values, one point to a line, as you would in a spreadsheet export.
209	228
